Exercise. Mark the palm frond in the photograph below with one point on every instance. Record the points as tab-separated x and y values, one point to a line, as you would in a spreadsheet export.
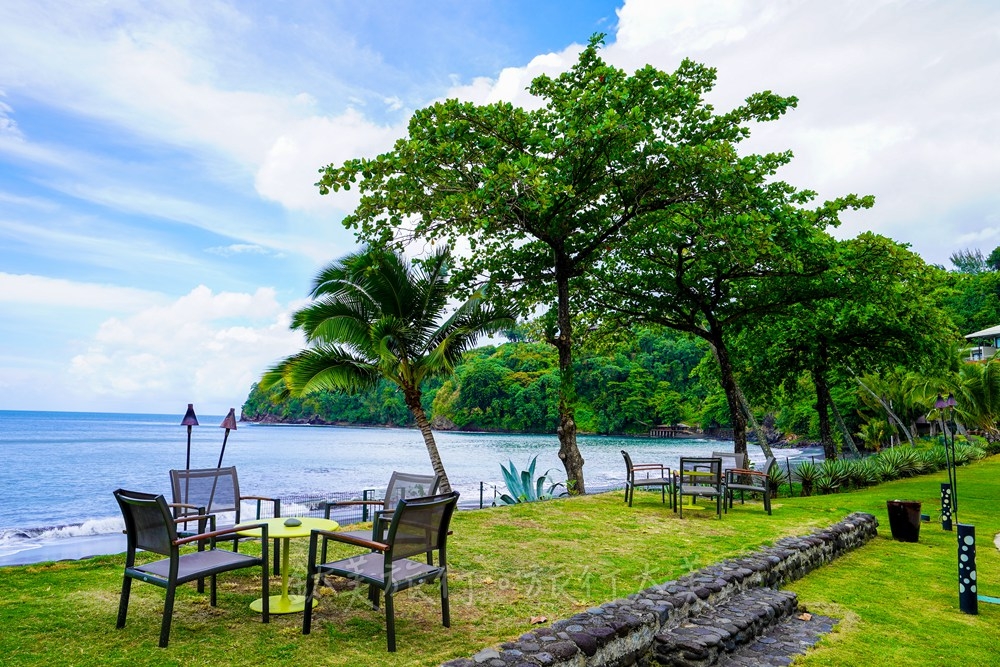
325	367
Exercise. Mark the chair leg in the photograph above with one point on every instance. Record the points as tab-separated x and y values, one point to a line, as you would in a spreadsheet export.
445	610
307	613
265	586
276	550
630	494
373	596
390	622
123	602
212	598
168	613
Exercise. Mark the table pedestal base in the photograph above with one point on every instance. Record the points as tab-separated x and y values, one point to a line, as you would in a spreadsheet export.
283	605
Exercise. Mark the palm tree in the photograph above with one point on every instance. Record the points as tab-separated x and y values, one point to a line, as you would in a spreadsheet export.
374	316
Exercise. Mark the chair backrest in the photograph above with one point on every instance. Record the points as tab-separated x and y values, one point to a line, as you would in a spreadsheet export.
628	462
215	489
768	464
419	525
732	460
408	485
148	524
700	471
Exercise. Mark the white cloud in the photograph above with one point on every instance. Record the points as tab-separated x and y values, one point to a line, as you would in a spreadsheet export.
290	169
204	347
48	292
238	249
8	128
894	99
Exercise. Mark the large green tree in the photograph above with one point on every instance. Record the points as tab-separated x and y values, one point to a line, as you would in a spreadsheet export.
374	316
884	310
541	195
748	248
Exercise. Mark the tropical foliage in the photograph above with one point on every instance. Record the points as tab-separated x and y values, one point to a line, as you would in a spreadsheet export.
522	487
373	317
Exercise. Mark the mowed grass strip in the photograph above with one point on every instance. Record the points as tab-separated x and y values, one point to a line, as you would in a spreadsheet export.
511	566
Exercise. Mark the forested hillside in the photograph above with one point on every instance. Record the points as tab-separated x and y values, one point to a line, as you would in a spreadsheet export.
652	379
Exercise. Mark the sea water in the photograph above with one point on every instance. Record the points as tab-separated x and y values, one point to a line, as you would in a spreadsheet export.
58	469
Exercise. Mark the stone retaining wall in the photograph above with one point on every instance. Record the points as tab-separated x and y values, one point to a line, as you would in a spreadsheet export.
621	633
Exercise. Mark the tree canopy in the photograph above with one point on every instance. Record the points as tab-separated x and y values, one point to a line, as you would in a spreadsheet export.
542	195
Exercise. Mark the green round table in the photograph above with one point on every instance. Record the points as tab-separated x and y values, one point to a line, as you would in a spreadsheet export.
276	528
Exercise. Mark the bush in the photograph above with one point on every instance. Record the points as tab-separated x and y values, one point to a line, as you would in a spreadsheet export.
807	473
523	486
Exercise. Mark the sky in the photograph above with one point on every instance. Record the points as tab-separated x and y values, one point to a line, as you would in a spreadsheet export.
159	220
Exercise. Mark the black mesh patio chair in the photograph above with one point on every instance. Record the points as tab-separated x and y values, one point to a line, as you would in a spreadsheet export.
647	475
700	478
401	485
149	526
217	491
750	481
418	526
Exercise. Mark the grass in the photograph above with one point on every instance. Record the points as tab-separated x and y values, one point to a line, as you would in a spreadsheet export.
898	603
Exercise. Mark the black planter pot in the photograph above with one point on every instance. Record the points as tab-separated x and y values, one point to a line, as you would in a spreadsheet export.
904	519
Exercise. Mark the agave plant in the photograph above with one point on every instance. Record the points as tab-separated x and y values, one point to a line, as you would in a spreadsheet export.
898	462
835	474
776	477
865	473
523	486
826	483
935	458
807	473
965	453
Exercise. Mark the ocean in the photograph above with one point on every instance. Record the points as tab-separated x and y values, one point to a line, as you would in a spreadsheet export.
58	469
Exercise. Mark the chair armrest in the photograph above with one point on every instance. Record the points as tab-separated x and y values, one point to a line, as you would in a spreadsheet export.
225	531
195	509
268	499
351	539
200	518
741	471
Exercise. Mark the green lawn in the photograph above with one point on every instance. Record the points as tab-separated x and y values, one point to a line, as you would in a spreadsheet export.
898	603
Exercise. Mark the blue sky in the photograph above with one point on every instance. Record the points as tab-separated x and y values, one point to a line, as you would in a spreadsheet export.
158	219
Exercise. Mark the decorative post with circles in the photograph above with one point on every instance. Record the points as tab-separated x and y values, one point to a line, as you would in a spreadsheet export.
945	506
968	598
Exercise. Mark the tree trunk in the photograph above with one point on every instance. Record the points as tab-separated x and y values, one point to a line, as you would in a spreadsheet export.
412	399
732	395
823	401
761	436
569	453
846	432
887	409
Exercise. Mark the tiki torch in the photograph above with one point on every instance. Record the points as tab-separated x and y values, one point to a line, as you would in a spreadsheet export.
190	419
229	423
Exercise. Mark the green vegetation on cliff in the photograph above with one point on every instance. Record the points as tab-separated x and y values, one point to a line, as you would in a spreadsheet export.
514	387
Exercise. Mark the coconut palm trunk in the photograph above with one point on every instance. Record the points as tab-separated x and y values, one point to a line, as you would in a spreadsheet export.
420	417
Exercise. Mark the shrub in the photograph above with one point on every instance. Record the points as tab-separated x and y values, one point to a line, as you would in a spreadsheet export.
807	473
776	477
523	486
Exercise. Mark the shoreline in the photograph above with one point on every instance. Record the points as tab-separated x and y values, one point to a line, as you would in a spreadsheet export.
66	548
